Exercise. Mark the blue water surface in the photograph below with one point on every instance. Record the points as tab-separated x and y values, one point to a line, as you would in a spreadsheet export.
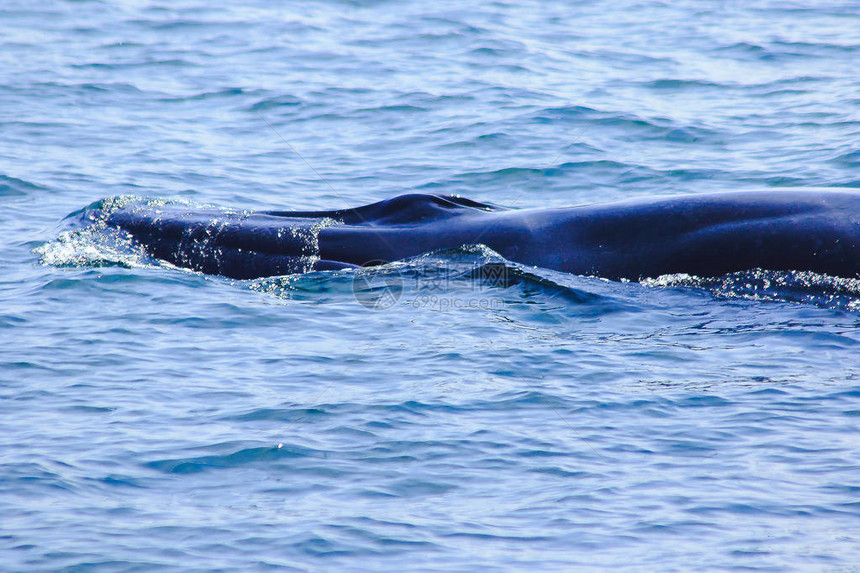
484	417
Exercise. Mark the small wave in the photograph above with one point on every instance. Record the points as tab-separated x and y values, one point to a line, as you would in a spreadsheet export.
774	286
662	128
146	63
280	414
519	175
683	84
786	50
12	186
849	159
56	89
284	100
395	108
180	25
206	95
745	50
234	459
815	49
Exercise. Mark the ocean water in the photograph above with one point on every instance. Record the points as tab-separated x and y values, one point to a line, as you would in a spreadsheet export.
453	412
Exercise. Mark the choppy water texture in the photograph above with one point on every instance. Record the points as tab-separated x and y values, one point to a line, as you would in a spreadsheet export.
484	416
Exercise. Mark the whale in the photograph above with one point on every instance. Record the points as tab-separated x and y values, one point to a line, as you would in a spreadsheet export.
704	235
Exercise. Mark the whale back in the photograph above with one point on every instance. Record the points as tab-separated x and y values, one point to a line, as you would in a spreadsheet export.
705	235
247	245
410	209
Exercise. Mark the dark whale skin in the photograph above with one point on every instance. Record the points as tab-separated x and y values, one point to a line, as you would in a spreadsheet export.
704	235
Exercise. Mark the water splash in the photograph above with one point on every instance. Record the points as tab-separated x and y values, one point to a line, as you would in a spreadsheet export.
776	286
93	239
95	244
